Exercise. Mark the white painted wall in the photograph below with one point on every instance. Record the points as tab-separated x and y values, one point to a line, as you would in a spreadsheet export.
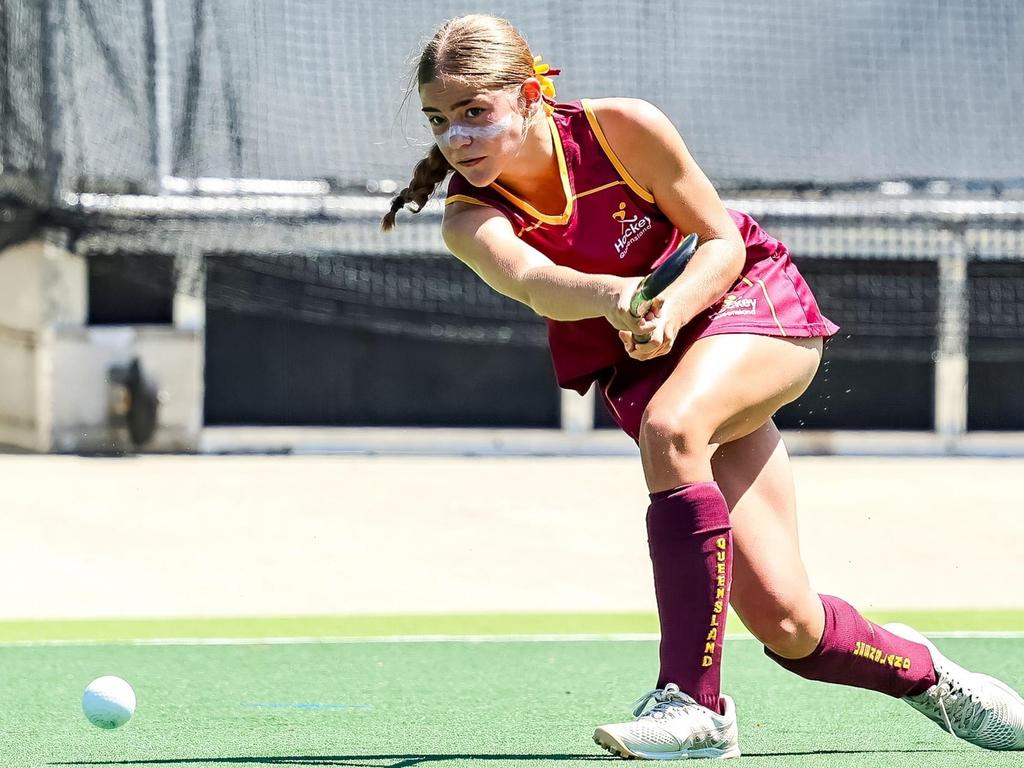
41	284
54	370
19	401
82	357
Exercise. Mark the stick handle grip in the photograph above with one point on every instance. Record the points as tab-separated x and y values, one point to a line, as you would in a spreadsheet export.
659	280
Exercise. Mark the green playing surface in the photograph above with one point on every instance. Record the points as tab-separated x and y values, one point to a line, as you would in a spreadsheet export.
375	701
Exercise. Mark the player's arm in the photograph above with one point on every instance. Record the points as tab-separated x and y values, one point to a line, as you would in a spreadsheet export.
482	238
654	154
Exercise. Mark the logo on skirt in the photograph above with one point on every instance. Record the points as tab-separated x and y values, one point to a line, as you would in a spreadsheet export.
735	305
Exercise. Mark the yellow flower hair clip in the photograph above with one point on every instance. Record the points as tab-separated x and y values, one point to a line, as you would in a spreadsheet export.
543	72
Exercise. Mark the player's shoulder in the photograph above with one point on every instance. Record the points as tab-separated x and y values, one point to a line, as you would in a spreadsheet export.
463	213
628	117
641	135
463	220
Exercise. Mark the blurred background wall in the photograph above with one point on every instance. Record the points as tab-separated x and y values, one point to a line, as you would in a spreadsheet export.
189	198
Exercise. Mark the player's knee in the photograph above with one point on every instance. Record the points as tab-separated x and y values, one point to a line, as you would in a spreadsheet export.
675	430
785	630
779	633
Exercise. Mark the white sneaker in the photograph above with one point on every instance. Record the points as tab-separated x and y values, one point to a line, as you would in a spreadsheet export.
977	708
675	728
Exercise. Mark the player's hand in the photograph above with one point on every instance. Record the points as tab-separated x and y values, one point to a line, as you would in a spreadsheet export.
662	336
618	313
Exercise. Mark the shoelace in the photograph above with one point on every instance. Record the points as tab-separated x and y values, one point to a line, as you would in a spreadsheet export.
968	709
666	699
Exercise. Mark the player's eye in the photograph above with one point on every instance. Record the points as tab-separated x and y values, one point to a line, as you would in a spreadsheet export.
436	120
475	111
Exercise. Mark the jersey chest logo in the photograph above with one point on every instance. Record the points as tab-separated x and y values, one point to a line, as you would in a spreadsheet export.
632	228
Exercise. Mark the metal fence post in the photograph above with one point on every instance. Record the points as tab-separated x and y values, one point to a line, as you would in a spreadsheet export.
951	352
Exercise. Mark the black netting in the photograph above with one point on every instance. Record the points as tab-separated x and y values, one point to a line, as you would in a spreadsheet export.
96	94
105	86
886	309
142	127
419	296
23	134
996	330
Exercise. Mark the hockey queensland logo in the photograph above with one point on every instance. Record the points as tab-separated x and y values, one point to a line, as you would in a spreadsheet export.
632	229
736	305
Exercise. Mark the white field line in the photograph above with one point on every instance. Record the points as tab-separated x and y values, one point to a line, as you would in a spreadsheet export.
554	638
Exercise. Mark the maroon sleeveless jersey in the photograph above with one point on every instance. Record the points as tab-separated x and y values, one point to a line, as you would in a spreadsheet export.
610	225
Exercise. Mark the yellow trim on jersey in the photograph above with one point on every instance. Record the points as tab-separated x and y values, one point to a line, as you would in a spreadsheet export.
465	199
603	141
603	187
563	171
529	228
771	306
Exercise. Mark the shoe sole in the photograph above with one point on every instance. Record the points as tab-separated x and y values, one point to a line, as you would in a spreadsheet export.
609	742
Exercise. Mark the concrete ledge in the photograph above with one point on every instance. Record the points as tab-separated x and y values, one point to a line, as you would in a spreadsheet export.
602	442
415	441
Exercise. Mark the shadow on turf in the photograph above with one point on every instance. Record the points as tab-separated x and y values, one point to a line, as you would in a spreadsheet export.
403	761
849	752
407	761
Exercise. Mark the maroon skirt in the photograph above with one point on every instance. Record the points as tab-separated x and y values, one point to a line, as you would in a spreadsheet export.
770	299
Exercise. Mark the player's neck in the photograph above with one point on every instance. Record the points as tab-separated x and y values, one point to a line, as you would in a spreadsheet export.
534	174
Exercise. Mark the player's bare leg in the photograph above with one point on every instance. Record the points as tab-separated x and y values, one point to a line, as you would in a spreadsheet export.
721	389
772	595
724	388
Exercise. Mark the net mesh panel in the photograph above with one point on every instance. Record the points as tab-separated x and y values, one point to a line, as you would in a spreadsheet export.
23	151
806	92
340	272
886	309
996	345
997	311
823	101
431	297
944	76
105	87
878	278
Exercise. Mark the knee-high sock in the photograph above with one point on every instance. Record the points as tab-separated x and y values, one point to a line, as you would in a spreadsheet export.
854	651
690	541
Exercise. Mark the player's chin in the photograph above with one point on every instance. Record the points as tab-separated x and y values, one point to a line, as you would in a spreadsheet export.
488	164
479	174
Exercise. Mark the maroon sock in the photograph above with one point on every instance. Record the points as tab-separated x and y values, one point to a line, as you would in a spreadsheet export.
854	651
690	540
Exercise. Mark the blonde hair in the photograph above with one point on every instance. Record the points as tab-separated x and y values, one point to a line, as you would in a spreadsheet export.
480	51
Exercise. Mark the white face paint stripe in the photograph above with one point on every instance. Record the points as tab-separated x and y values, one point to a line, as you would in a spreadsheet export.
473	132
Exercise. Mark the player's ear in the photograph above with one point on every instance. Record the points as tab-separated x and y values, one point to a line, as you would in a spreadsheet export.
529	94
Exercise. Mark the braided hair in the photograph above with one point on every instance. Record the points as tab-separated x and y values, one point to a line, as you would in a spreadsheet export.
428	173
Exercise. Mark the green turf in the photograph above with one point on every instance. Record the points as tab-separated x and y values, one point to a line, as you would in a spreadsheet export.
458	624
445	704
